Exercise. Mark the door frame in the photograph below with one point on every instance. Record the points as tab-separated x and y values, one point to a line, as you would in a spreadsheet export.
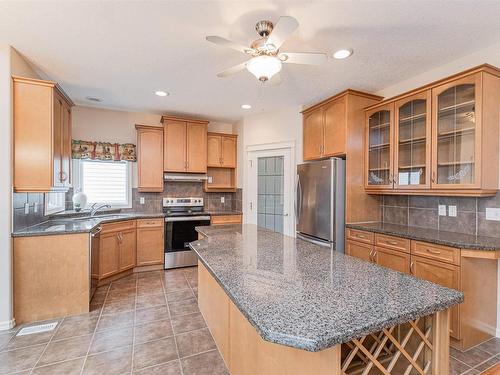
271	149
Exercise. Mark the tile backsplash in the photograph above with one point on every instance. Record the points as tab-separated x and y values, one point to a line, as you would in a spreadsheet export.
35	202
422	211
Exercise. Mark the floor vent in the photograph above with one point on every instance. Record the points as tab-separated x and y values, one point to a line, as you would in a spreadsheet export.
37	329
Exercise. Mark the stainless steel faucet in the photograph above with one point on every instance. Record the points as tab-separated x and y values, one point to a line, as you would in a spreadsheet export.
94	209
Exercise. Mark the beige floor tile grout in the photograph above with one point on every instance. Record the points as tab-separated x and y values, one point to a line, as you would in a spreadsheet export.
133	329
95	330
47	344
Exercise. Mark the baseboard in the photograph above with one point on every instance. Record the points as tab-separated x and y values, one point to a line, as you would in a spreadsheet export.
6	325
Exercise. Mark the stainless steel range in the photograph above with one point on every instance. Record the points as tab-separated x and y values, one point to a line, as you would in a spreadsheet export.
182	215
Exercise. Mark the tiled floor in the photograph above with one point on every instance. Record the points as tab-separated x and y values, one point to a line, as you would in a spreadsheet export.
149	323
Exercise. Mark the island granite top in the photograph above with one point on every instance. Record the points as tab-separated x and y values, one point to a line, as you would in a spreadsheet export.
71	225
305	296
440	237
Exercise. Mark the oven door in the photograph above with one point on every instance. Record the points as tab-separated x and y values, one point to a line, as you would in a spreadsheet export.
179	232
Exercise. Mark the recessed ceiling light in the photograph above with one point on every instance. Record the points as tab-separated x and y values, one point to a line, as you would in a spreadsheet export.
246	106
161	93
93	99
342	54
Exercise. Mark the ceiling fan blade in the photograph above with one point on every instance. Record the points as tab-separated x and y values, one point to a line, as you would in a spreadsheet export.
313	58
232	70
227	43
285	26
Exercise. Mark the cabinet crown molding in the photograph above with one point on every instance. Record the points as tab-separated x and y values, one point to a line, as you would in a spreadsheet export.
41	82
341	94
165	118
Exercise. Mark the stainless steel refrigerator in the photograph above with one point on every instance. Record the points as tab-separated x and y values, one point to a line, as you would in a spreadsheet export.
320	202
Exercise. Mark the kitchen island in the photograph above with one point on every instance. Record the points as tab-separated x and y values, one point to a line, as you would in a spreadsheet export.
280	305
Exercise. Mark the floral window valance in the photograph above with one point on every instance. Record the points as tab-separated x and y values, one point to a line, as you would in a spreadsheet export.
103	151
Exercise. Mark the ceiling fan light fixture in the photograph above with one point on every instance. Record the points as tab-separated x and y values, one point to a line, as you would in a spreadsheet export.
264	67
342	54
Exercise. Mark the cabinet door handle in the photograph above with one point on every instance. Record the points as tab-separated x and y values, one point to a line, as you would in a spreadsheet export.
63	176
436	252
433	177
374	255
412	267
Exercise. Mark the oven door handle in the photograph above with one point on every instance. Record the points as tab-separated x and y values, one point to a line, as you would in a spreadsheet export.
187	218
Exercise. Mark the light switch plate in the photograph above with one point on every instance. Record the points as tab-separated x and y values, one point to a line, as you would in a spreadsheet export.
222	199
142	200
442	210
452	211
493	214
26	208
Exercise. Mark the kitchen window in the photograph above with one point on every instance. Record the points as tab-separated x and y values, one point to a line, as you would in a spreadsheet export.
107	182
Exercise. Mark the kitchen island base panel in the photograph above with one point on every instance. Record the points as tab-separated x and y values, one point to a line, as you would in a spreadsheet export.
51	277
419	346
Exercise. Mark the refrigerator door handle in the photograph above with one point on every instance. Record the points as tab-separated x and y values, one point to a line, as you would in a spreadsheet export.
298	200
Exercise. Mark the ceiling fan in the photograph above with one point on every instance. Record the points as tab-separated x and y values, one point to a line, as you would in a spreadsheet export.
267	59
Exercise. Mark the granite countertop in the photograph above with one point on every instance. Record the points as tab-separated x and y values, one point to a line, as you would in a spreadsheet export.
70	225
305	296
458	240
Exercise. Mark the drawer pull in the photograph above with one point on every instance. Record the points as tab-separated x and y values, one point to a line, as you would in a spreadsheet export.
360	236
436	252
412	267
393	242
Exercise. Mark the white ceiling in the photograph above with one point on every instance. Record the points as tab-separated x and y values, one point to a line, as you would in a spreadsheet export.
123	51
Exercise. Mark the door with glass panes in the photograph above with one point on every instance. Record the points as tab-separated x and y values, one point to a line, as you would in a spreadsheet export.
412	142
456	134
379	148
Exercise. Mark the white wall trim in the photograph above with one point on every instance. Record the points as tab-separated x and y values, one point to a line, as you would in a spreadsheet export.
270	146
8	324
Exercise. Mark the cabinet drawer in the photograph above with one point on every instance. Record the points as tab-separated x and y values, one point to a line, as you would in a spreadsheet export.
390	242
361	236
359	250
119	226
226	219
148	223
437	252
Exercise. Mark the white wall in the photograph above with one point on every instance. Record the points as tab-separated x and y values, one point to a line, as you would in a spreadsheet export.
105	125
11	63
281	125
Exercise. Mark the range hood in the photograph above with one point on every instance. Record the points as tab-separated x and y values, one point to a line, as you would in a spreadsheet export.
185	177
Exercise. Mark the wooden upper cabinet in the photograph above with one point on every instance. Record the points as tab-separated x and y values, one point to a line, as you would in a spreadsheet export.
313	135
150	158
221	150
444	140
229	151
335	128
196	148
379	147
457	134
42	136
412	142
214	150
185	145
174	159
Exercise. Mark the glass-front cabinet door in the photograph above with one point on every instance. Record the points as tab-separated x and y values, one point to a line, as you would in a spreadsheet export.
379	130
456	133
412	142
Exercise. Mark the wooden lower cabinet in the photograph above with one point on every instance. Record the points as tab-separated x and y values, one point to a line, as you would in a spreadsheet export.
109	253
127	244
117	248
225	219
444	274
150	244
393	259
359	250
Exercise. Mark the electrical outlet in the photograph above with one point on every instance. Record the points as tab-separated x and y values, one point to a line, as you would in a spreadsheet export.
210	179
222	199
452	211
142	200
35	207
26	208
493	214
442	210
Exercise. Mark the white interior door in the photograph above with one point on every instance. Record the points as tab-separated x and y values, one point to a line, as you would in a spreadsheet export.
269	193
